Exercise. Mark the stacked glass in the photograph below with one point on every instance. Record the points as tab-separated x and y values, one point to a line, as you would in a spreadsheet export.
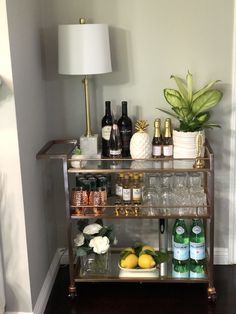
183	190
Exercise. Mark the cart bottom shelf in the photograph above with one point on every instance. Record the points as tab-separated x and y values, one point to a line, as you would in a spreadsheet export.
115	274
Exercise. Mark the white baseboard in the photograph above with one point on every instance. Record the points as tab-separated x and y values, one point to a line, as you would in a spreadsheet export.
45	291
44	294
19	313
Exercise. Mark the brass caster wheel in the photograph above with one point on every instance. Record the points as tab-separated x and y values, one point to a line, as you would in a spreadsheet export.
72	293
212	296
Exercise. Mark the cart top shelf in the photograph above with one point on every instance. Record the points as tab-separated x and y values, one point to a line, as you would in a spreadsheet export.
63	149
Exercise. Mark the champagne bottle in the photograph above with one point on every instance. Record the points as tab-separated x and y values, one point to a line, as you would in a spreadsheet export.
157	140
106	129
125	128
115	142
167	139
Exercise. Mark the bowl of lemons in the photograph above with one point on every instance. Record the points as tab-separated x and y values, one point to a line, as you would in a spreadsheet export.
140	261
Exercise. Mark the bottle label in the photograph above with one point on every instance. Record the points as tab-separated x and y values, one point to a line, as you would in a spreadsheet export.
197	275
119	190
196	229
156	151
179	230
181	251
197	250
106	132
126	194
136	194
176	274
168	150
114	152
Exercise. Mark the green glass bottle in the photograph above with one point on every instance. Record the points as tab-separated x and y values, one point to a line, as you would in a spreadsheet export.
180	269
197	240
197	249
180	241
197	268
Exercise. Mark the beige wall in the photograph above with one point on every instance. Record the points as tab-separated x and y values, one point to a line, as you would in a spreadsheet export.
151	40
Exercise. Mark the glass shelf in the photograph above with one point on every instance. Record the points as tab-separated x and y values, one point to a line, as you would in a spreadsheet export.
135	212
62	149
115	274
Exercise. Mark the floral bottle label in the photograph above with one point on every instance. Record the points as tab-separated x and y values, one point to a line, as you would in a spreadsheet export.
106	132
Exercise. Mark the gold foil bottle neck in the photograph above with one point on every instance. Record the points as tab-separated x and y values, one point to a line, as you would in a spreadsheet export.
157	123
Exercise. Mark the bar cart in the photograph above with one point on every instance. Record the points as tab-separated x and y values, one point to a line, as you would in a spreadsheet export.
62	150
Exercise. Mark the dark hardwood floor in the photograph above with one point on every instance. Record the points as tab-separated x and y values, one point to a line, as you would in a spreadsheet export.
129	298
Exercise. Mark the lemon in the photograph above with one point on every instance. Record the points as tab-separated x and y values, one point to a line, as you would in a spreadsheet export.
131	261
148	247
146	261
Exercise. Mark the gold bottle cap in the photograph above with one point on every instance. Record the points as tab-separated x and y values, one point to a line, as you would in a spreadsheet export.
82	20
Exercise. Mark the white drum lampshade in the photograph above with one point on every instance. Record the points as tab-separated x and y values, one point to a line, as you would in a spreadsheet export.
84	49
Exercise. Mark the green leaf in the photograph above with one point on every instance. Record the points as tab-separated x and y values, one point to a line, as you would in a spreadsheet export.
82	223
168	112
82	251
138	248
204	89
174	98
76	151
206	101
203	117
189	80
99	221
210	125
181	86
161	257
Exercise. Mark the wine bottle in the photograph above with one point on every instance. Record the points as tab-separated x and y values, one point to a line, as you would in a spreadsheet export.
125	127
167	139
157	140
115	142
106	129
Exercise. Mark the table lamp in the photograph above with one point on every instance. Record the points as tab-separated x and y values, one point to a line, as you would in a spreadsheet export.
84	49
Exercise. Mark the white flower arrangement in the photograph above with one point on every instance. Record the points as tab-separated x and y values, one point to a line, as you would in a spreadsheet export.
93	238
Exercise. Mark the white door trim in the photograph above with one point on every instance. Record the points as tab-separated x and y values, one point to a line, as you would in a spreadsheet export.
232	191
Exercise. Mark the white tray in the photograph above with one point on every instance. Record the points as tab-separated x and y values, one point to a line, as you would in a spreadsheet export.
138	272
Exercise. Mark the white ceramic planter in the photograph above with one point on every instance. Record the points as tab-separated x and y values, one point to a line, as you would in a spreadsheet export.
185	144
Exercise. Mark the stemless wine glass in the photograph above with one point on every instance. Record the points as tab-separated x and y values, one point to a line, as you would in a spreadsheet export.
150	200
166	193
181	194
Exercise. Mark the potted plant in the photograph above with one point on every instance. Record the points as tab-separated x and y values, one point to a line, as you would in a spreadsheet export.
192	109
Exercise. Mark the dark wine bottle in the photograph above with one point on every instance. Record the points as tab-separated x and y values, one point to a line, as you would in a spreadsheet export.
106	129
157	140
125	128
115	142
167	139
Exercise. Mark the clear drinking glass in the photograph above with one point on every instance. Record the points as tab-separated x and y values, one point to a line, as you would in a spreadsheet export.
150	200
166	193
181	193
